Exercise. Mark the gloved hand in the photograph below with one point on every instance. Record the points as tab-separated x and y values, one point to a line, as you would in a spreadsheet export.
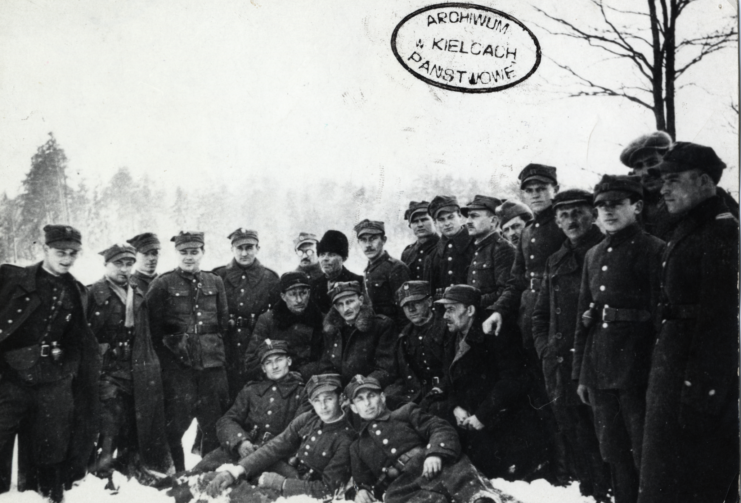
245	449
221	481
272	481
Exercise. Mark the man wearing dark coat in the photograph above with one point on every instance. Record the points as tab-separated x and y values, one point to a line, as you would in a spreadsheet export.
691	435
423	227
614	338
133	417
407	454
384	274
294	319
305	247
147	255
485	393
251	289
493	255
356	339
49	365
513	217
188	316
448	263
333	250
554	323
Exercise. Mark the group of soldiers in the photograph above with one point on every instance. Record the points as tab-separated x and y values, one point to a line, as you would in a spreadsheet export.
575	335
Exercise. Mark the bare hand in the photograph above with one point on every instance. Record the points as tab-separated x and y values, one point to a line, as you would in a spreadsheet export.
219	483
432	466
493	324
460	416
245	449
473	423
364	496
583	393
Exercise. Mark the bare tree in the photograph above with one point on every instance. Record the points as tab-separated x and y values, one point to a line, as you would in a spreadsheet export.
648	41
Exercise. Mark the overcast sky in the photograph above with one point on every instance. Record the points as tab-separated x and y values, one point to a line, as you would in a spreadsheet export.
196	92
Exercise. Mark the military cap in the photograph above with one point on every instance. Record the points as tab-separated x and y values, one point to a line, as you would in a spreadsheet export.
334	242
343	289
294	279
658	141
537	172
243	236
683	156
617	187
62	237
323	382
415	207
411	291
511	209
145	242
270	347
117	251
359	383
188	239
304	237
443	203
573	196
369	227
461	294
481	203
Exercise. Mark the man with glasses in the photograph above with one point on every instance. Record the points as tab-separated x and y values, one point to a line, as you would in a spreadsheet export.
305	247
294	319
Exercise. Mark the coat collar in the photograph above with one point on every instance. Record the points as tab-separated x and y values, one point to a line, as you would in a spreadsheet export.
409	327
284	318
593	237
544	216
383	257
285	386
494	237
101	292
234	272
707	211
366	320
623	235
29	281
460	240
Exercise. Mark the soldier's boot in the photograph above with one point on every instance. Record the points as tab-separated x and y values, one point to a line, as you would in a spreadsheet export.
625	481
50	482
103	465
560	461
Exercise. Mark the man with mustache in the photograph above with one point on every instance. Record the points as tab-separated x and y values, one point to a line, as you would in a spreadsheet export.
554	324
251	289
615	336
493	256
384	274
296	320
188	316
513	217
147	256
333	250
305	246
423	227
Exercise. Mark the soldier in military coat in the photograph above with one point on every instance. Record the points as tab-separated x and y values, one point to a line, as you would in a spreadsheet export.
188	316
294	319
384	274
448	263
147	256
133	417
493	255
333	250
407	454
423	227
613	341
513	217
691	435
305	246
313	453
554	323
49	365
251	289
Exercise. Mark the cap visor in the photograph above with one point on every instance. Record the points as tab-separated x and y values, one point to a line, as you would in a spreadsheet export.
447	209
297	285
322	388
65	245
365	386
346	293
149	247
572	202
369	231
536	178
272	352
411	298
612	195
448	301
244	241
122	255
189	244
304	242
411	215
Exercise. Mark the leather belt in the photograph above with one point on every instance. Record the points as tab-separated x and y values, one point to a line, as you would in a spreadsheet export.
634	315
679	311
394	469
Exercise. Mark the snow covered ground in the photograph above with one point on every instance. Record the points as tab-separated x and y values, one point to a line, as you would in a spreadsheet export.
92	489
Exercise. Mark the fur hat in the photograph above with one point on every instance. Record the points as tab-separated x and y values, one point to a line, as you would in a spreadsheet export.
334	242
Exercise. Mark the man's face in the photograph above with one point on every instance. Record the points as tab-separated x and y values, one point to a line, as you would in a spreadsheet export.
349	307
422	225
190	259
331	263
372	245
449	223
327	405
307	254
296	299
276	366
480	223
457	317
617	215
513	229
418	311
538	195
646	166
369	404
575	221
245	254
147	262
58	260
681	191
119	271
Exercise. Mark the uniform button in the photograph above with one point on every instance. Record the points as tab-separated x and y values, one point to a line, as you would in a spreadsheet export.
243	277
378	432
450	272
473	272
385	441
274	388
532	240
474	281
532	274
97	313
198	314
270	412
602	288
450	245
687	383
711	392
474	262
450	259
663	264
532	257
609	249
442	444
662	322
558	310
537	225
19	310
559	335
604	267
604	325
319	432
335	345
559	359
271	398
10	321
374	426
313	439
267	425
556	288
308	447
241	303
200	323
393	451
27	299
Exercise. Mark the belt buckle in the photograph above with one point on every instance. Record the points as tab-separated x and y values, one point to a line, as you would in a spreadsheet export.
533	283
45	350
605	314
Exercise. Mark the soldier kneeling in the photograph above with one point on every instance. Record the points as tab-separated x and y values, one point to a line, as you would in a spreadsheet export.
408	454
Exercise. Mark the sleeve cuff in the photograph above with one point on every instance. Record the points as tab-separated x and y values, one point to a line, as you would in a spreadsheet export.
235	471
